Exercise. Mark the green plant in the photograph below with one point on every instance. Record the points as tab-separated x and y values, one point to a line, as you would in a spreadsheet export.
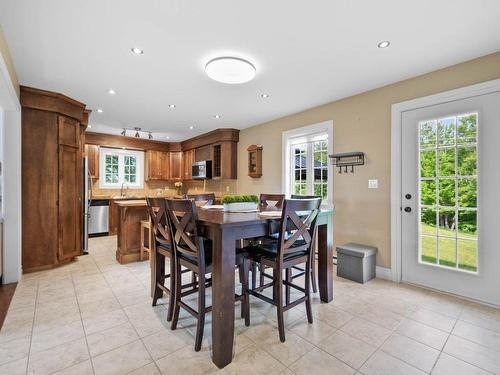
240	199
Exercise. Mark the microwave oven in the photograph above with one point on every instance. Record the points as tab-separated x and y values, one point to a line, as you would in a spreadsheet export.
202	170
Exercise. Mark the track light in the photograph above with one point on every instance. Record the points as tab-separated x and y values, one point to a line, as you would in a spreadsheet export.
124	132
137	135
150	136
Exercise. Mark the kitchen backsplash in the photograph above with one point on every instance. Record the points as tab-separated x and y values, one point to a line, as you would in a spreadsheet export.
166	188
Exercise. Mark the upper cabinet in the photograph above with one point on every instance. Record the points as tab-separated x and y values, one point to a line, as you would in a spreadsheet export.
92	153
175	166
188	160
156	166
224	160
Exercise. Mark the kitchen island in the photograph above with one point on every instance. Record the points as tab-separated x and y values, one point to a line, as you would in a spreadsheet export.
130	215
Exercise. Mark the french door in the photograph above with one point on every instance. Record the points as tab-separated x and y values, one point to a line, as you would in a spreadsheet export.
450	197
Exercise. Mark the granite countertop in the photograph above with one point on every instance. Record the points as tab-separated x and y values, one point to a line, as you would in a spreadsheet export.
132	203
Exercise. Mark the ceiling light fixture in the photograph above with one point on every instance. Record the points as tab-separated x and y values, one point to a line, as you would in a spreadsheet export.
172	106
217	117
137	135
265	96
168	137
150	136
191	127
230	70
124	132
99	110
384	44
89	126
111	92
137	51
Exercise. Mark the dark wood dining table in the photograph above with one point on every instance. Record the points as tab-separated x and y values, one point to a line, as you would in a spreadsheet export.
224	229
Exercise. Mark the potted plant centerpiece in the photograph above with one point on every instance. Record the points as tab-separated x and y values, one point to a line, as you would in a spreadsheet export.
234	203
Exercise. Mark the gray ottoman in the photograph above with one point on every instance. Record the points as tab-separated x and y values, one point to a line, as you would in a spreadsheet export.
356	262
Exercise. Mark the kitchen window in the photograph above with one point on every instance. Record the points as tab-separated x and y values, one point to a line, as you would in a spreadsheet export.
121	167
306	169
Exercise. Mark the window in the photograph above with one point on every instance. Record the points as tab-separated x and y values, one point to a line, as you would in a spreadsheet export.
448	191
306	168
121	167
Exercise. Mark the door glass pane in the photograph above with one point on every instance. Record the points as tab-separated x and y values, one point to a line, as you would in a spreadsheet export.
446	162
428	192
467	255
300	174
447	252
448	191
320	149
428	249
428	163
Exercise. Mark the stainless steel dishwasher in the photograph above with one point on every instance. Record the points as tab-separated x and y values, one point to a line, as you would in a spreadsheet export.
99	217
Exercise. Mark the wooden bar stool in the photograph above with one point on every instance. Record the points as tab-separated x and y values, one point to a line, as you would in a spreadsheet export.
145	234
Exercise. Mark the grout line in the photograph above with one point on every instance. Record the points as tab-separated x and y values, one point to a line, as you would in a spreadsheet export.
33	325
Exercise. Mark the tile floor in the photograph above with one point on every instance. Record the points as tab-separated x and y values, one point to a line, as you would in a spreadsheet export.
95	317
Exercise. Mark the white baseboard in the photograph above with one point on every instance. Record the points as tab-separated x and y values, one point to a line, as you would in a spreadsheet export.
383	273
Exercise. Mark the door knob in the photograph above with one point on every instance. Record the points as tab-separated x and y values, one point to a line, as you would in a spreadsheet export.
407	209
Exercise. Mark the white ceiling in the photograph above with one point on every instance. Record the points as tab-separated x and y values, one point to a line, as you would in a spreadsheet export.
306	53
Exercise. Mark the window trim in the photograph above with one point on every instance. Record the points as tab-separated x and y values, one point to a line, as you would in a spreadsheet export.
307	132
139	155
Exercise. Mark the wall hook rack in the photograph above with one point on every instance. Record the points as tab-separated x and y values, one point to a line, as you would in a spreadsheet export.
347	160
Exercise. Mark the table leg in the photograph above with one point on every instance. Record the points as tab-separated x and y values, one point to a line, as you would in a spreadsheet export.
223	297
325	260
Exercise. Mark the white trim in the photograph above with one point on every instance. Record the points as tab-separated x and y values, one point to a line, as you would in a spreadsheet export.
383	273
396	116
8	85
326	126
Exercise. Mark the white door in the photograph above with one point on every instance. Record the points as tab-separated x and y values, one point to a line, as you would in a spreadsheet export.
451	197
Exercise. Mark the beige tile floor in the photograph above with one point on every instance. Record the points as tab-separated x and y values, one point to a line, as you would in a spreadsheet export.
95	317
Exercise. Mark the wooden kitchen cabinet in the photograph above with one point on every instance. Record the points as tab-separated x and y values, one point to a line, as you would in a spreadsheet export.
52	181
156	166
175	166
224	160
188	160
92	153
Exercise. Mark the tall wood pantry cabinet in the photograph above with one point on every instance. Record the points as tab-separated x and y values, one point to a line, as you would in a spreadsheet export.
52	178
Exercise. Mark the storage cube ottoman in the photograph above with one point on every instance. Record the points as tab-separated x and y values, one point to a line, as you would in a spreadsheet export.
356	262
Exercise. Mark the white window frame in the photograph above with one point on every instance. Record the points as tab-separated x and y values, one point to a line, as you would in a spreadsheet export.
139	155
300	135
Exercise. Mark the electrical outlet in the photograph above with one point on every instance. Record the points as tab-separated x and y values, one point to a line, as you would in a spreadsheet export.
372	184
227	188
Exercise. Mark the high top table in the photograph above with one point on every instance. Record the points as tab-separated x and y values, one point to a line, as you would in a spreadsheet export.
224	229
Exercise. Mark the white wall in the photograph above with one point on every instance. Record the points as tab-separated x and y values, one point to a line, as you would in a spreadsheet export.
12	196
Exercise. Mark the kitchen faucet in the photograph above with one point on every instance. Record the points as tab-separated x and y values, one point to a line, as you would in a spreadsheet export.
124	184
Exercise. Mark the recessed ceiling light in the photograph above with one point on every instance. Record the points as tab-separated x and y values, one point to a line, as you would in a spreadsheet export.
89	126
172	106
217	117
384	44
99	110
137	51
111	92
231	70
264	96
191	127
168	137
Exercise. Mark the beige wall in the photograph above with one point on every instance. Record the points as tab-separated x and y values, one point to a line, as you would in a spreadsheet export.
360	123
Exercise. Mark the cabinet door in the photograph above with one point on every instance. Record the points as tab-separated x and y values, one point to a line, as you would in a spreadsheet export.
70	196
228	160
69	131
92	152
164	168
175	166
188	160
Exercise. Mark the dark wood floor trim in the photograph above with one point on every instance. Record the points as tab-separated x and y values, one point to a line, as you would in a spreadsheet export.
6	294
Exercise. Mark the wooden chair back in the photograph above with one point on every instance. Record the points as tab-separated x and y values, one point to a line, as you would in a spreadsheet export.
208	198
186	240
158	214
295	196
298	225
265	199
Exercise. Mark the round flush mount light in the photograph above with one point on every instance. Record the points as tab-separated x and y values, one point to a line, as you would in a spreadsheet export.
137	51
230	70
111	92
384	44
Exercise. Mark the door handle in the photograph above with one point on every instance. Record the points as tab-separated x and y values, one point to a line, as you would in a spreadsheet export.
407	209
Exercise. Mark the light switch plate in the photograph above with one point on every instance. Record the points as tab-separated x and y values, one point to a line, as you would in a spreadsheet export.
372	184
